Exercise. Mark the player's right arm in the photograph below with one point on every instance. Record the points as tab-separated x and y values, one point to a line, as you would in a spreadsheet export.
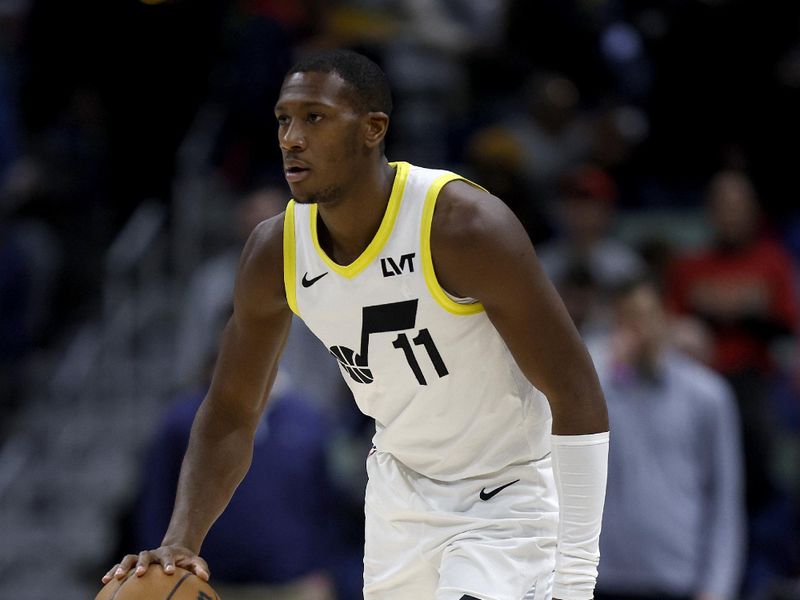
221	443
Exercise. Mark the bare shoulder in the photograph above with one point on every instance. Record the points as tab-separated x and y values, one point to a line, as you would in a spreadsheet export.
472	234
466	213
259	284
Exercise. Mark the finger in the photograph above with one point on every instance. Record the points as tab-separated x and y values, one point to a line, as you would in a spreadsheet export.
143	562
125	566
107	577
167	561
202	572
197	566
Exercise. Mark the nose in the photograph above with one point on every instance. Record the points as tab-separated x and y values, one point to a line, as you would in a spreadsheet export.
291	138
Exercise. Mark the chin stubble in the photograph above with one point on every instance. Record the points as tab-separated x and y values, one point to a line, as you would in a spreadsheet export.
325	196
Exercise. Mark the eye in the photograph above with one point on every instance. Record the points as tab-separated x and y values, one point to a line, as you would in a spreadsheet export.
282	119
314	117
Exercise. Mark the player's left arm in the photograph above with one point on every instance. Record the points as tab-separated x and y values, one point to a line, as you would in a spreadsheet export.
481	250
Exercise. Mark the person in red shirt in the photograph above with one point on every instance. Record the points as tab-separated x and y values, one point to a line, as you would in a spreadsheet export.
743	287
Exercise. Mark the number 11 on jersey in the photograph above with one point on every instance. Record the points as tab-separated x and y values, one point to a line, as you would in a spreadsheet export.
388	318
423	339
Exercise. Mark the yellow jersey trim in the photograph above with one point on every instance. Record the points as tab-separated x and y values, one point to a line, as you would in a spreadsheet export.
289	269
434	287
382	235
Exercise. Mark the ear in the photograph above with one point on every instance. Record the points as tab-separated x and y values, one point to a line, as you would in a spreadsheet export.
377	124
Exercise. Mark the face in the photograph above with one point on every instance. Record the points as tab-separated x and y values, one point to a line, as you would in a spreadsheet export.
641	317
324	140
586	219
733	208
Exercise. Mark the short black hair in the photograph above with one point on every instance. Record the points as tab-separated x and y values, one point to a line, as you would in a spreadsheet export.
369	82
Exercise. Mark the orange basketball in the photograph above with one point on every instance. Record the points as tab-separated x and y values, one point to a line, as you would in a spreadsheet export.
157	585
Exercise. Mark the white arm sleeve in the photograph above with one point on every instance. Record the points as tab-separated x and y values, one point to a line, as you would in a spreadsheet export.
580	463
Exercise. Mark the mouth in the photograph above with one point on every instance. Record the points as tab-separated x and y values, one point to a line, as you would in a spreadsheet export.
295	174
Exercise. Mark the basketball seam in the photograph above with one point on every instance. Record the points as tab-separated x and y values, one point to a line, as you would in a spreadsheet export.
177	585
127	579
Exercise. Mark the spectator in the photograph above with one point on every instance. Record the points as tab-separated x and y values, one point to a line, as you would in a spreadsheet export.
583	300
674	520
496	159
742	286
208	300
258	52
280	535
207	304
587	210
551	131
782	560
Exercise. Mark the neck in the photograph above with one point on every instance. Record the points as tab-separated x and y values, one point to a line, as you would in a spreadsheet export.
732	246
649	363
349	224
585	242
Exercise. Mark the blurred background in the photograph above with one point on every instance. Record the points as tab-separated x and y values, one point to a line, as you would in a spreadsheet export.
138	150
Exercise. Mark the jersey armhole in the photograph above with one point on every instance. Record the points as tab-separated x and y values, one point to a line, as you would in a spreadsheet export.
444	299
289	269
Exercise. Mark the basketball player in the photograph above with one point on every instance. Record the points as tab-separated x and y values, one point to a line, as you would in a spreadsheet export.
427	291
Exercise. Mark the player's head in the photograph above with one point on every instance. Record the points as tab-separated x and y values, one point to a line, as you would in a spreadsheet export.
367	89
333	113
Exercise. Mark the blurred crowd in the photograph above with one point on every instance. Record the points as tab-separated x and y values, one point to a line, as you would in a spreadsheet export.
648	147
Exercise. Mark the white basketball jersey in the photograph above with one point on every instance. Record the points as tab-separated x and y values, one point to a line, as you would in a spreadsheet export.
448	399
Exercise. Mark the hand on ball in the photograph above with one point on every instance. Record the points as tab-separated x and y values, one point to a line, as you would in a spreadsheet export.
168	556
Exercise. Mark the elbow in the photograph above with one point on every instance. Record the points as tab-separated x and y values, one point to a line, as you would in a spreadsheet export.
579	411
219	418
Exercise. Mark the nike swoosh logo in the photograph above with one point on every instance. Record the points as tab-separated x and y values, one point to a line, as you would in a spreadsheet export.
309	282
489	495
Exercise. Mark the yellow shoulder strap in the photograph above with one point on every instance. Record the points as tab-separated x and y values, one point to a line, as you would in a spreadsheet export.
289	270
434	287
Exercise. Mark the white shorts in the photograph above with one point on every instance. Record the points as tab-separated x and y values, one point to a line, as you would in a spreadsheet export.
437	540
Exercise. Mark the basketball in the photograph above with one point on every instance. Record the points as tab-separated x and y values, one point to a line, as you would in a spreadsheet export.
157	585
